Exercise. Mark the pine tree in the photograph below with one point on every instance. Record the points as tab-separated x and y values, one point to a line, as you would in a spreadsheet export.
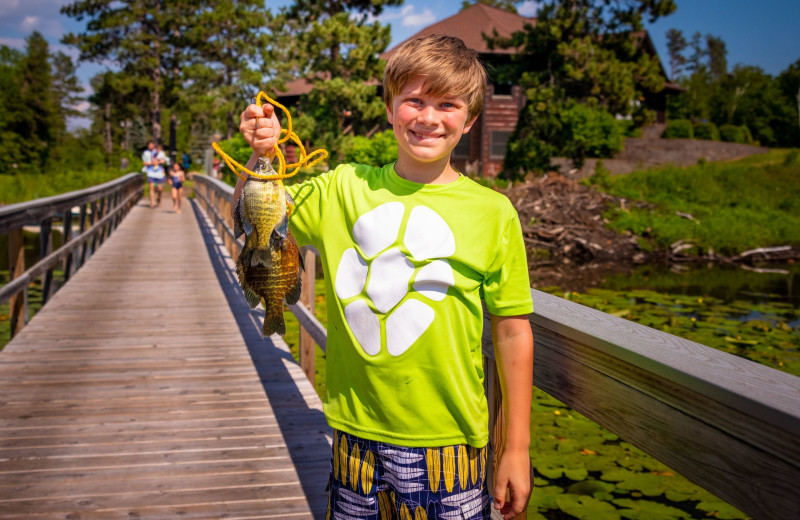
676	45
224	43
579	51
336	47
133	34
40	128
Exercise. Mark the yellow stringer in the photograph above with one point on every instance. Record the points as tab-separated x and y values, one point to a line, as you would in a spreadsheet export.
303	156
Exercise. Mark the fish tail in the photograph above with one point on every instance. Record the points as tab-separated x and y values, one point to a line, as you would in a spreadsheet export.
273	323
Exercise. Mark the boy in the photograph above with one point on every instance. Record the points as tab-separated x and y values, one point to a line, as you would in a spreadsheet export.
409	250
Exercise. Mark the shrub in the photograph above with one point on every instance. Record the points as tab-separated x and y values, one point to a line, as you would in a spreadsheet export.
679	129
746	135
731	134
380	149
707	131
591	132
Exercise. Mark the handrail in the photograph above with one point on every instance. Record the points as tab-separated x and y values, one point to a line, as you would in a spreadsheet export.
728	424
102	208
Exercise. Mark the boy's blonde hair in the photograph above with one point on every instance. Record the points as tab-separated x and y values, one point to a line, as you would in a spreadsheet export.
449	66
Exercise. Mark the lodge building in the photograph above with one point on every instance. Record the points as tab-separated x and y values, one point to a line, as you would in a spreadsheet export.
482	150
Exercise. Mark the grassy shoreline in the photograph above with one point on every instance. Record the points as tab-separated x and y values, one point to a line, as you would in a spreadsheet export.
725	207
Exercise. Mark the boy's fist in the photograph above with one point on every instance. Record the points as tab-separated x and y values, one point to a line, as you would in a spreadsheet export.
261	129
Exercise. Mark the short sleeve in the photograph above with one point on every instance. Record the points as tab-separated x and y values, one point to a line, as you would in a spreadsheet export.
309	197
507	287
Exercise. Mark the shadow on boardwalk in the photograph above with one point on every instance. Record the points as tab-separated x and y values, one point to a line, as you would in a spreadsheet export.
297	408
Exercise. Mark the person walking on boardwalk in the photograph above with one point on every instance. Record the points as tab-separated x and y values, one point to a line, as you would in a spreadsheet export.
155	177
410	249
176	178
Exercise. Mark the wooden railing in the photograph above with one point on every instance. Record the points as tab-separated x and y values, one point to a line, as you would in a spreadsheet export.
728	424
101	209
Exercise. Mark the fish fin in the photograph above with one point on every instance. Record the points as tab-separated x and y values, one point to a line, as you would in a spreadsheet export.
279	234
302	263
237	219
261	256
247	226
290	205
252	298
273	324
293	295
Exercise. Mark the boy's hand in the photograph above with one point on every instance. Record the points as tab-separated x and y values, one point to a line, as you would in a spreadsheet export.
261	129
513	475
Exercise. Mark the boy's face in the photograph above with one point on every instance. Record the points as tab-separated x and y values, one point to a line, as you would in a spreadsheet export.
427	127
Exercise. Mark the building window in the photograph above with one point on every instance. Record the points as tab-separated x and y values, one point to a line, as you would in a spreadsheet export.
501	89
461	150
499	140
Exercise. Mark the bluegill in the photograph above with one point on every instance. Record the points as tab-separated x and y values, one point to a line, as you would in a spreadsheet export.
273	284
262	214
269	264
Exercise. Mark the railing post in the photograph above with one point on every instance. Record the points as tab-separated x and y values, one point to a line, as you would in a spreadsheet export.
92	219
307	298
497	428
67	234
45	248
18	304
85	246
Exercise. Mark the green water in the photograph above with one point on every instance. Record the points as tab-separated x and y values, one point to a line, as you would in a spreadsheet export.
585	471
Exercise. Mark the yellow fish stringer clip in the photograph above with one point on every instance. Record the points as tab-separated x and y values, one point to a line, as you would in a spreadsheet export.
303	156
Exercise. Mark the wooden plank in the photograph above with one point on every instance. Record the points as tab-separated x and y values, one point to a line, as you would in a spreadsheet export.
133	394
16	267
308	299
724	422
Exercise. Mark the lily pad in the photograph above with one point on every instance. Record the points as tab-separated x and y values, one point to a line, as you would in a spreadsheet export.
648	510
587	508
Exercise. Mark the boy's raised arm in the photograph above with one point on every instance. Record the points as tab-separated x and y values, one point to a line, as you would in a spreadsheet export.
261	129
513	346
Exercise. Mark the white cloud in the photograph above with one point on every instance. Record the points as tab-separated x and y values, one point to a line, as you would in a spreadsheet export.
528	8
414	19
14	43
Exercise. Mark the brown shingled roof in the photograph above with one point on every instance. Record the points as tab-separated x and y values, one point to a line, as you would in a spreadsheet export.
471	23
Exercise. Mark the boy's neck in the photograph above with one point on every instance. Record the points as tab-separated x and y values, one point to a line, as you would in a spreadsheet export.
431	173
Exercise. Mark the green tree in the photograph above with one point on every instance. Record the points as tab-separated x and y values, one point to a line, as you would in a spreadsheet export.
13	114
133	34
788	83
717	57
584	51
337	48
676	45
39	130
221	42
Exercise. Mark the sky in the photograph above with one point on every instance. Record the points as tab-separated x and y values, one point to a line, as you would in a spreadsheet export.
762	33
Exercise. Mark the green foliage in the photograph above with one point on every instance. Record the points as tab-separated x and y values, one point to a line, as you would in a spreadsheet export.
37	89
380	149
22	187
589	132
731	134
578	52
679	129
707	131
739	205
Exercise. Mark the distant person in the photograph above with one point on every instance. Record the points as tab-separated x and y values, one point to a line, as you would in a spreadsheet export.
215	167
186	162
176	178
155	174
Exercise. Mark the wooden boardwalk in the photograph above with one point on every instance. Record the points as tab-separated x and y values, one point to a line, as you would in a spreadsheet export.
144	389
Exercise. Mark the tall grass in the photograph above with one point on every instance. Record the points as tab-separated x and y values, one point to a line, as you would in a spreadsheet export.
739	205
23	187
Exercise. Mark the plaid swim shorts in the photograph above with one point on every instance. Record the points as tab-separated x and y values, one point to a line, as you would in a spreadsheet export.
373	480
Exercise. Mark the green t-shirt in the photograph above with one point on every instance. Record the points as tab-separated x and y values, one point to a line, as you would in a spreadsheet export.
406	266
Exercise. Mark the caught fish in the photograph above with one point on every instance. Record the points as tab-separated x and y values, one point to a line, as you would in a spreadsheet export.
269	264
262	214
273	284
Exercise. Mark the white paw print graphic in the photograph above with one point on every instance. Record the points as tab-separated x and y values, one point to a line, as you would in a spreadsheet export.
382	275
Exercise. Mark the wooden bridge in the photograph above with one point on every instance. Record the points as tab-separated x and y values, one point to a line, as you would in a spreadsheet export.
143	388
